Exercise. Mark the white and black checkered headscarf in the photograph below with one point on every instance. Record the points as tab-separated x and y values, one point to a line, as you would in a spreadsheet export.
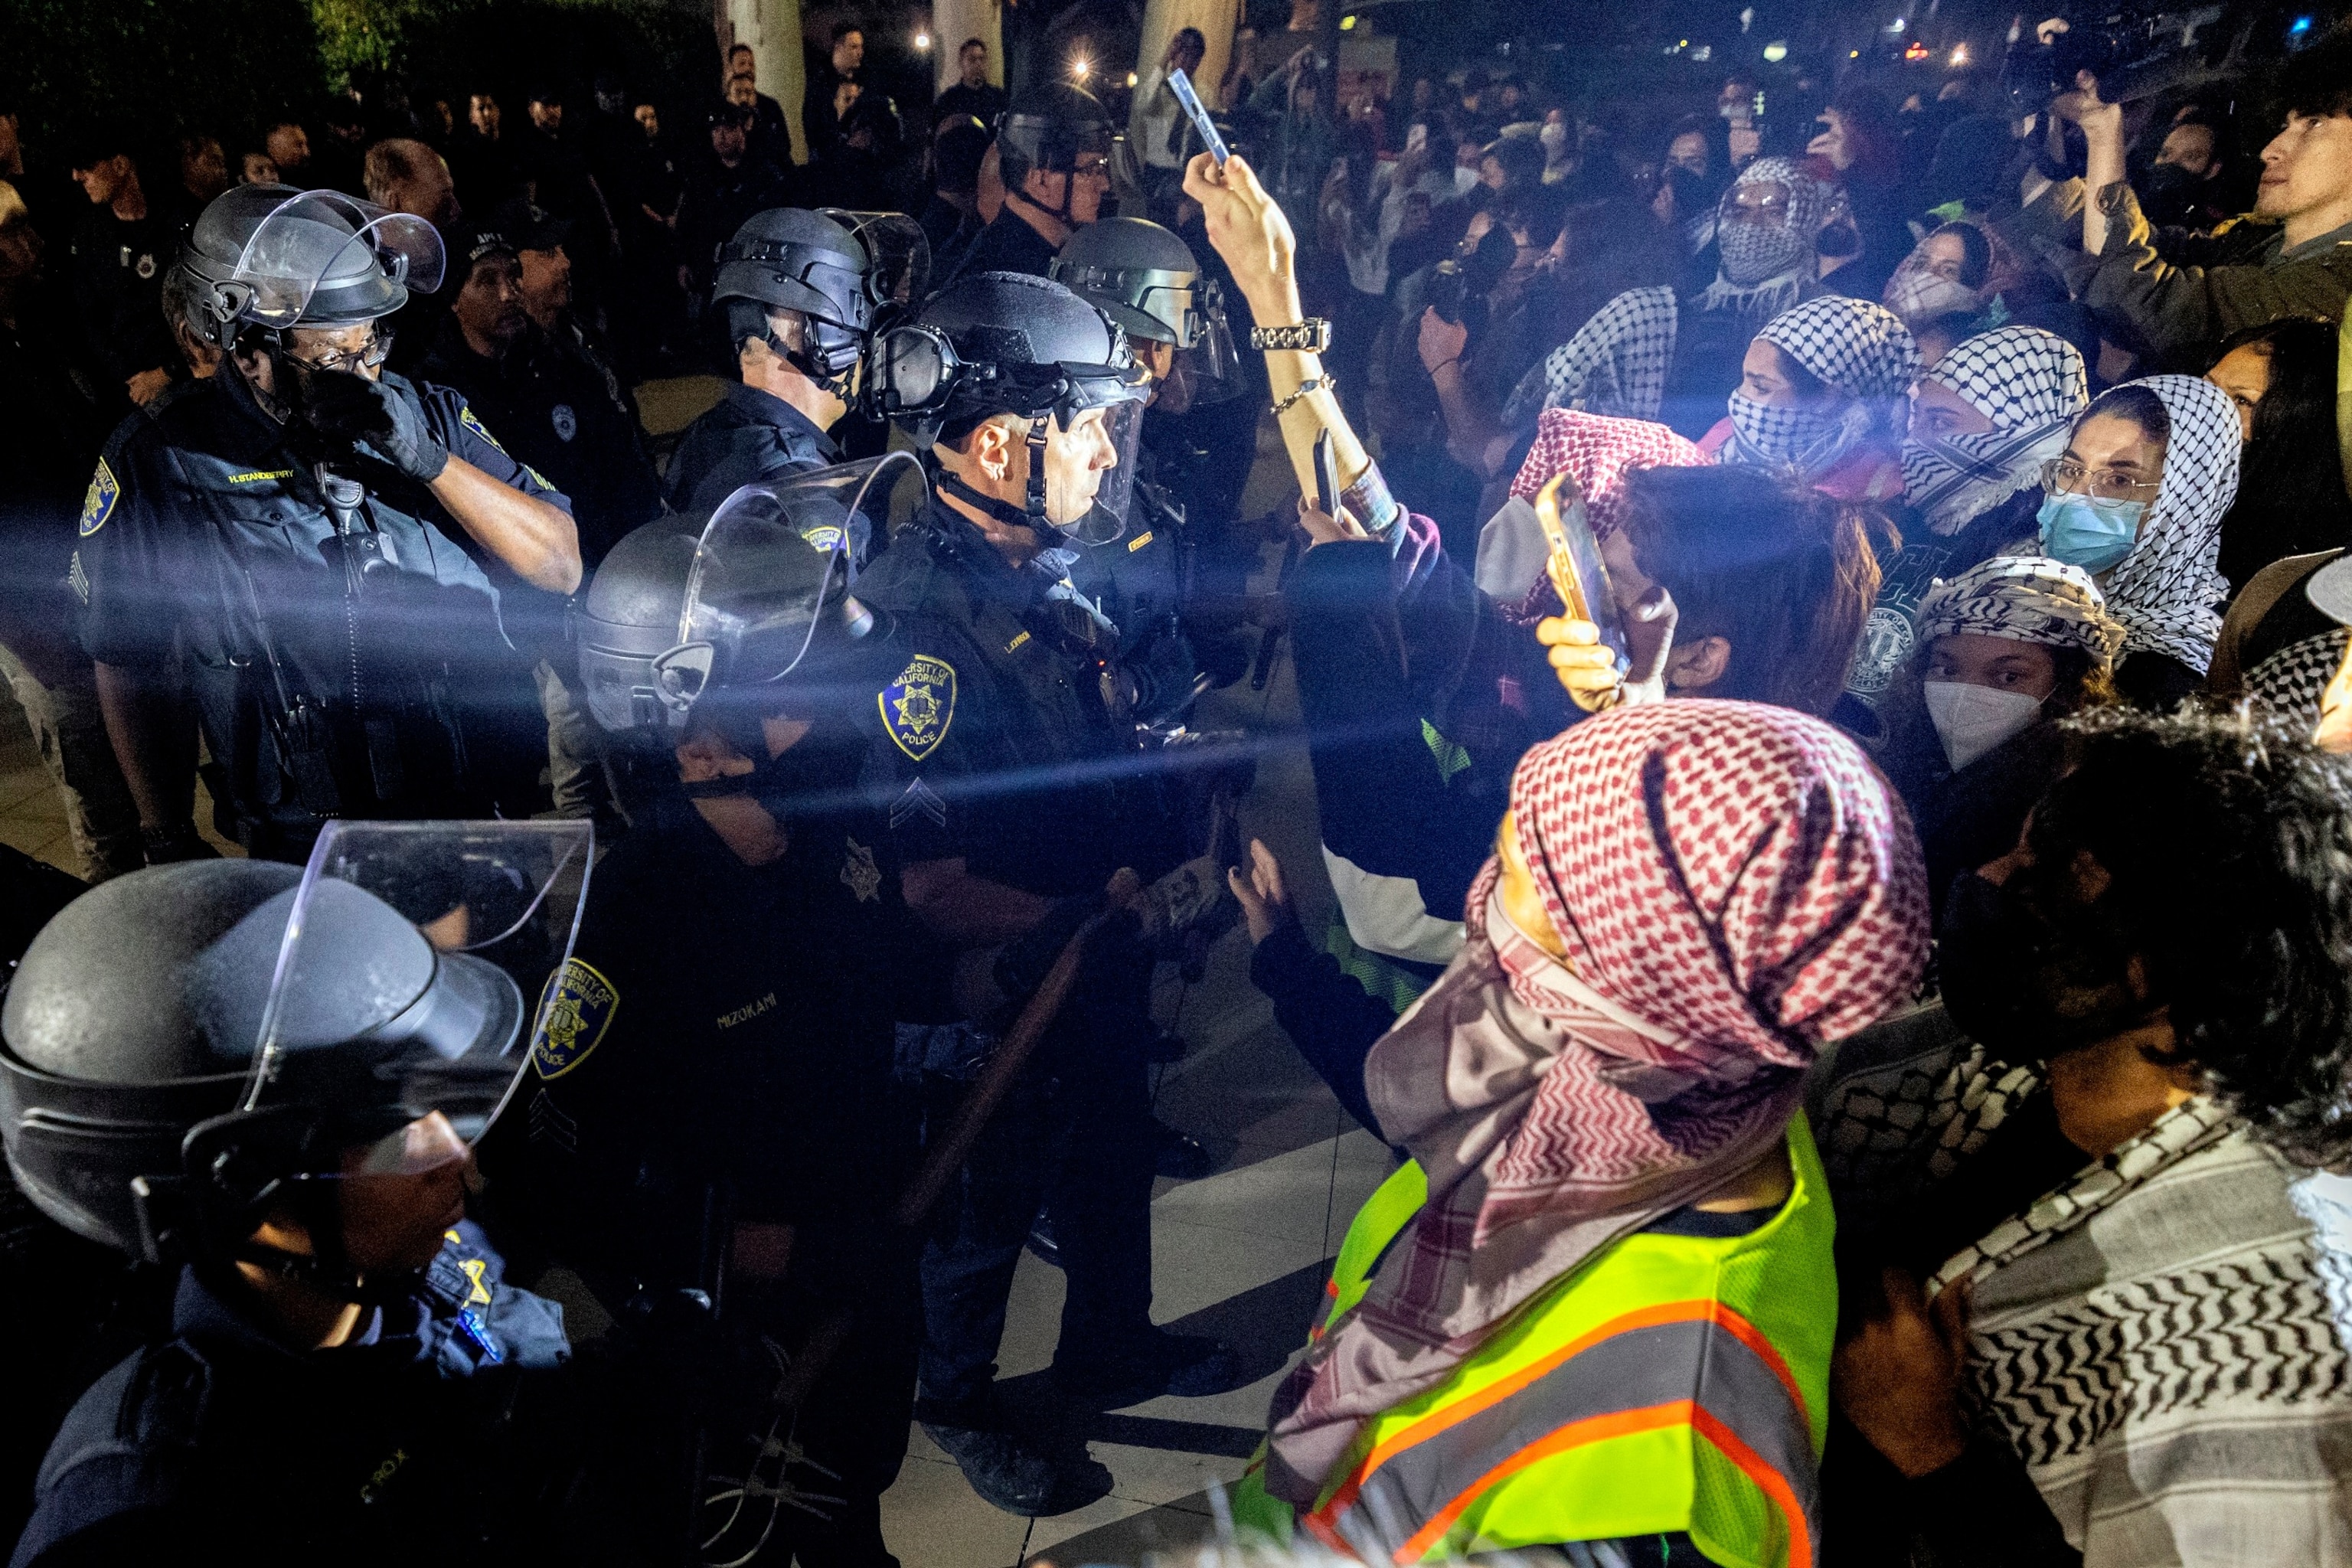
1766	268
1852	346
2166	592
1616	364
2031	386
2025	598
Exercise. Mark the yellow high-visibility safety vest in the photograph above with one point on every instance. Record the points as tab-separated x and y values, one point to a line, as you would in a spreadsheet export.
1672	1382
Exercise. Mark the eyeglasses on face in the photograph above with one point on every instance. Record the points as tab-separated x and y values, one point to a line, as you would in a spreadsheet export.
367	356
2063	474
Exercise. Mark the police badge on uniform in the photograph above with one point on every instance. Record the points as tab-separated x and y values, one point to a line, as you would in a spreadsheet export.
567	424
859	874
918	707
473	421
98	505
574	1013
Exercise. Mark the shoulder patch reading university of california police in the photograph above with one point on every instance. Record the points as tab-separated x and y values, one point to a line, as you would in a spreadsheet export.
574	1013
918	707
98	505
473	421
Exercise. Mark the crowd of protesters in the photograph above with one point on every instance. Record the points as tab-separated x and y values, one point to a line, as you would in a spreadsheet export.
1945	821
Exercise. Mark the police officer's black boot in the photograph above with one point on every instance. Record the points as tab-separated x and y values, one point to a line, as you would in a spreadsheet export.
1006	1468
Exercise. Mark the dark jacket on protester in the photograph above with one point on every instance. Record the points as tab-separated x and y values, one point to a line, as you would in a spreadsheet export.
2172	294
1420	696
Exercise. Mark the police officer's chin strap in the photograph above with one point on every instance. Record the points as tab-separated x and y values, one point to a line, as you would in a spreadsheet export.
328	1270
839	384
276	405
1060	215
1034	517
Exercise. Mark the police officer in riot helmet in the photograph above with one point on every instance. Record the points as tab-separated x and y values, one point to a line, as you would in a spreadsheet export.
1054	148
1144	278
724	1120
799	292
347	1377
1022	806
280	536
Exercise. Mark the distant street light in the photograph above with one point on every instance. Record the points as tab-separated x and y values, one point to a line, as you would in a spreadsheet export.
922	41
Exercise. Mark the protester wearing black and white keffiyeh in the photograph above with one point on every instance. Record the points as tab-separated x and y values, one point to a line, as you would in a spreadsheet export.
2030	384
2166	592
2025	598
1860	351
1620	361
2159	1337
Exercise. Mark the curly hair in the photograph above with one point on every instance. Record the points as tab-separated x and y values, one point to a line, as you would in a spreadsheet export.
2229	839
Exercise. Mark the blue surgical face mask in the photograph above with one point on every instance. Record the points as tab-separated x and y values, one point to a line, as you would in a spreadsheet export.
2091	533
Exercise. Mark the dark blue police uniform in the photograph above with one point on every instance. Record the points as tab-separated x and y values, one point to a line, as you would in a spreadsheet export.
1138	582
748	435
1001	741
362	674
564	414
729	1027
396	1447
1007	244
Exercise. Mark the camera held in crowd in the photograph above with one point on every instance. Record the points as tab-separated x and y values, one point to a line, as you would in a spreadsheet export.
2134	51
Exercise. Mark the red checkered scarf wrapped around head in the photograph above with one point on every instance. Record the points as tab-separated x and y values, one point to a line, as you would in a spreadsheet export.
1596	449
1735	886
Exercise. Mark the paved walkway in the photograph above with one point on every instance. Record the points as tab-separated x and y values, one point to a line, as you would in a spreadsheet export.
1242	1254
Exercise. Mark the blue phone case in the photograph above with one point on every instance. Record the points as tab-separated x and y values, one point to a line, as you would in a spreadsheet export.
1182	86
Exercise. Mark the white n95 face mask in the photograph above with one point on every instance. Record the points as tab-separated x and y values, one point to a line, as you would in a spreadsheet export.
1973	720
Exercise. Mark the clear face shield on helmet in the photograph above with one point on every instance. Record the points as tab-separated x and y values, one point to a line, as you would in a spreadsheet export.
898	257
1107	520
321	258
417	975
1176	324
769	584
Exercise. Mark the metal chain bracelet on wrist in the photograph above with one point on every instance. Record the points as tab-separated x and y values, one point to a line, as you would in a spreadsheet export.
1313	384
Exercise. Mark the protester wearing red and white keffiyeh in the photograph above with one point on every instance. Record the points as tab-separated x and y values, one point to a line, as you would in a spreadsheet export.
1596	452
1731	886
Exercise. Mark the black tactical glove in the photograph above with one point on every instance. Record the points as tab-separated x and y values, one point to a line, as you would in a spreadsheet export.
342	407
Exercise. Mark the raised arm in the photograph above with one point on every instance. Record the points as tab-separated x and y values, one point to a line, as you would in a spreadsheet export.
1250	233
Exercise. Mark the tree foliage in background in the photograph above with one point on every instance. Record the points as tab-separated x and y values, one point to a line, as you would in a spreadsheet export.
165	63
226	65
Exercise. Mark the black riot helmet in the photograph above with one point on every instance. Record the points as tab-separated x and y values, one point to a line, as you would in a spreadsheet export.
686	624
188	1047
1058	127
1145	277
1003	342
1141	275
795	260
273	256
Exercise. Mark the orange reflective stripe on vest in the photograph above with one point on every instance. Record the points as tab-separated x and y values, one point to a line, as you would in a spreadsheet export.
1695	1364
